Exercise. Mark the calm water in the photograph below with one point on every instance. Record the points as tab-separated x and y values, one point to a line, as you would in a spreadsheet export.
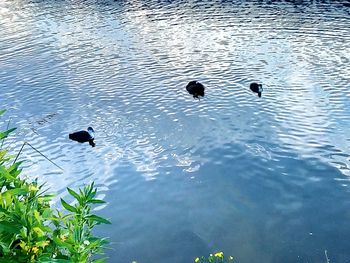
264	179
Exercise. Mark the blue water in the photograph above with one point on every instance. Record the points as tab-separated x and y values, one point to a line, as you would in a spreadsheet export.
263	179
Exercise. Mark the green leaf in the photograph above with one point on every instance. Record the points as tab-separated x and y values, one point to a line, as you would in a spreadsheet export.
74	194
68	206
17	191
2	112
49	260
47	229
61	243
96	201
6	158
98	219
45	198
43	243
9	227
46	213
7	198
37	216
96	242
4	134
5	211
13	169
39	231
101	260
2	153
5	173
90	193
23	232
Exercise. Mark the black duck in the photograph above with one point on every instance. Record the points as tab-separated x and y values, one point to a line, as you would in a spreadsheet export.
195	88
84	136
257	88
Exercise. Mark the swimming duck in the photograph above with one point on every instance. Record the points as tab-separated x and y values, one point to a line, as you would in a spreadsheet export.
257	88
84	136
195	88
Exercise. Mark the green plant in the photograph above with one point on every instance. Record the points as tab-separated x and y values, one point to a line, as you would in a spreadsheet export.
74	230
32	231
217	257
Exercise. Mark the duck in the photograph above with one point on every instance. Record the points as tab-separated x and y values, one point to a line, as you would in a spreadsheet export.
195	88
257	88
84	136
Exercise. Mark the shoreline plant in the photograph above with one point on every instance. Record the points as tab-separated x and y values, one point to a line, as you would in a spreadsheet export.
217	257
32	231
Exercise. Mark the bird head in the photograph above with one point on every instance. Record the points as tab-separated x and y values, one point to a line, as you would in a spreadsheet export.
91	132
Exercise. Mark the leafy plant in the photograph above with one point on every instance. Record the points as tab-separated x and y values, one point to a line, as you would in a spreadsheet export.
217	257
32	231
75	232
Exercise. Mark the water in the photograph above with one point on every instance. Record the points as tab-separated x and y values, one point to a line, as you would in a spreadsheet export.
263	179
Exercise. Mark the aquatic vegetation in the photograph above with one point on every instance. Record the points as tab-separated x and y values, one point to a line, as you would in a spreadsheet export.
217	257
32	231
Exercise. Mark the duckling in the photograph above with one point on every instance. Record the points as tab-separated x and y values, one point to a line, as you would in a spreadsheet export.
257	88
195	88
84	136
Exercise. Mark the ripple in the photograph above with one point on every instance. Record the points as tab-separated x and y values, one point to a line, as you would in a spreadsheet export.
122	67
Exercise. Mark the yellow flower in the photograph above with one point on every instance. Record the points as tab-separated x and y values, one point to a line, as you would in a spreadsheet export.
219	254
63	237
24	246
230	258
33	188
35	250
196	260
43	243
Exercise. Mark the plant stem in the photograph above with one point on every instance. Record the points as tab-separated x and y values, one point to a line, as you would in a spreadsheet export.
47	158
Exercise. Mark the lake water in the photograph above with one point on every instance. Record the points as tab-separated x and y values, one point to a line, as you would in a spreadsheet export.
263	179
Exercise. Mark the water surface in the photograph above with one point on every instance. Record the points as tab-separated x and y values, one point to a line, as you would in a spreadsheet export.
263	179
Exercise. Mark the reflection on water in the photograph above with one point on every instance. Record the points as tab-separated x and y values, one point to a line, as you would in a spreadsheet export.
260	178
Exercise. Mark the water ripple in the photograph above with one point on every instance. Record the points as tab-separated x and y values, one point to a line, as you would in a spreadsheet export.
122	67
